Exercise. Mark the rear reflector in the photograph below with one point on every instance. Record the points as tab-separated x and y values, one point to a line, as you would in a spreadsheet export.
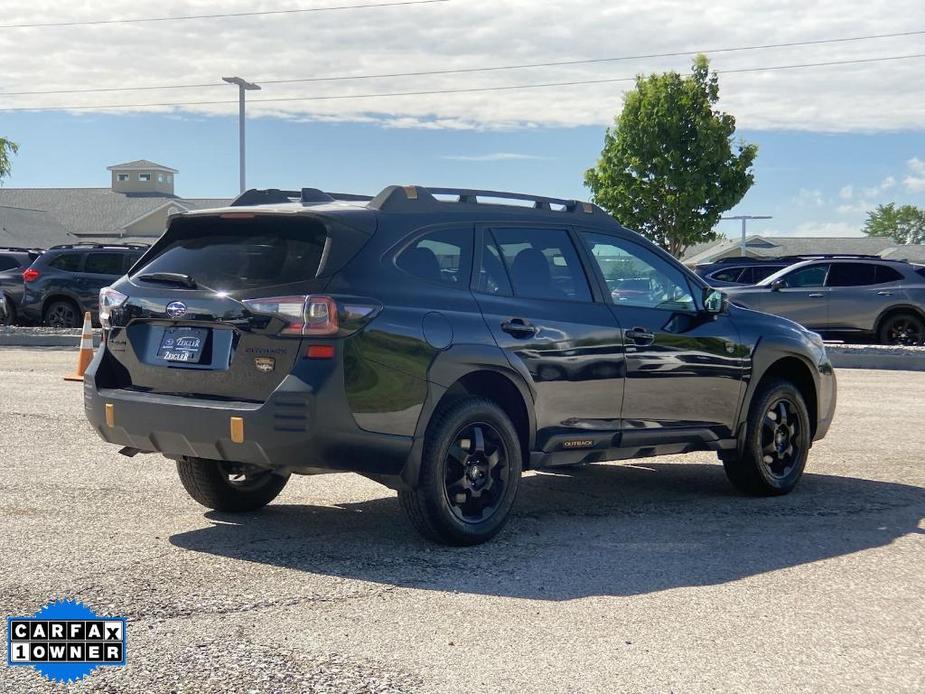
236	425
320	352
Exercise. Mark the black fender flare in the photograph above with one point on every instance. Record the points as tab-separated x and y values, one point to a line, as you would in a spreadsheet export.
448	367
764	356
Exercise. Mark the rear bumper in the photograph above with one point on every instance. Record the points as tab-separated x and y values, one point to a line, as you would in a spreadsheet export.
290	431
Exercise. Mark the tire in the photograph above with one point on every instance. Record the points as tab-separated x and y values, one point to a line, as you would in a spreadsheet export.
468	480
773	455
210	483
62	314
902	329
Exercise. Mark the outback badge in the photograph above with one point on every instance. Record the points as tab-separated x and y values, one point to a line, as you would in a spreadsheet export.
265	364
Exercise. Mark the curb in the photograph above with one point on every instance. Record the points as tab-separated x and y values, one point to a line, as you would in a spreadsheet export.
45	340
877	357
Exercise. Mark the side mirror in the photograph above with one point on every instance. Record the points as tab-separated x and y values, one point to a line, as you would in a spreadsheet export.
776	285
714	301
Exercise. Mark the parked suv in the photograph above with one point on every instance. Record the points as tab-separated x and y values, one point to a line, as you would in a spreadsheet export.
439	341
882	300
13	261
65	281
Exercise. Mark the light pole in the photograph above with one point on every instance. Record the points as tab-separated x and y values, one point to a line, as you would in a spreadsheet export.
745	218
243	86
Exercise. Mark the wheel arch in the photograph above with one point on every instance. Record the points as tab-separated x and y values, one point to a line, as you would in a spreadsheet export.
796	370
476	371
60	296
894	310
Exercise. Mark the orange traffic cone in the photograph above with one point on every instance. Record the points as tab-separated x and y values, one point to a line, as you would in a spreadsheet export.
86	350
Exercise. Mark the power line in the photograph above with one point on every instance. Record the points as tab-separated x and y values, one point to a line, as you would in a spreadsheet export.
463	90
223	15
493	68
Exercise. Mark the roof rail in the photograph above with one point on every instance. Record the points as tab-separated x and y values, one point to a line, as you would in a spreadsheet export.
18	249
419	198
795	258
90	244
307	196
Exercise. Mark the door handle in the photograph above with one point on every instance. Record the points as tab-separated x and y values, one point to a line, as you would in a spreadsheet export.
640	336
816	295
518	327
884	292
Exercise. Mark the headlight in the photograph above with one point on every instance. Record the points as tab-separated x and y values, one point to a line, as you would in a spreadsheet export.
109	299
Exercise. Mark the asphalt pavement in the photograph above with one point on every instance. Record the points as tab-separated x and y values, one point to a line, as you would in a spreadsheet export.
645	576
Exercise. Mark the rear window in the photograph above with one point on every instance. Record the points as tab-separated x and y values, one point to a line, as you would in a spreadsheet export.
233	254
8	263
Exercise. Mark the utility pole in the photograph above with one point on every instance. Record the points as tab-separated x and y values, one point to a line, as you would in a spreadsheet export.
243	86
745	218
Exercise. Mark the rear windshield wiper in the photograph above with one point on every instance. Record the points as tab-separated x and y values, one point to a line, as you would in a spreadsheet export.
177	278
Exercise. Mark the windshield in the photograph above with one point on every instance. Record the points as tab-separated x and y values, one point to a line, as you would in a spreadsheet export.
233	254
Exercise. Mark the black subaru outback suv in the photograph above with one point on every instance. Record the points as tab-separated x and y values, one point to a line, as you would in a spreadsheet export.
439	341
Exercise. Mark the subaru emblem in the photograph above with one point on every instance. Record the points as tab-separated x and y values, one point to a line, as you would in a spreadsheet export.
176	309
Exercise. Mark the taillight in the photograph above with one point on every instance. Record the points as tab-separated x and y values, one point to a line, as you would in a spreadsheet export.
30	274
314	315
109	299
303	315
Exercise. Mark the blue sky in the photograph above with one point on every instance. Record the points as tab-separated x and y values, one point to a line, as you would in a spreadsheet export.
835	140
802	178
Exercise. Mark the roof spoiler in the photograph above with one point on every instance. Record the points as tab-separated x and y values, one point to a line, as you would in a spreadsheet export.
307	196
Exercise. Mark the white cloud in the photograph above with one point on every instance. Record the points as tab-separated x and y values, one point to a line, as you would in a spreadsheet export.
466	34
494	156
915	181
846	193
830	229
810	198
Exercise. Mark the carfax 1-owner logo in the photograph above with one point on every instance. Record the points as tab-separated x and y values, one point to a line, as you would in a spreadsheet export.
65	641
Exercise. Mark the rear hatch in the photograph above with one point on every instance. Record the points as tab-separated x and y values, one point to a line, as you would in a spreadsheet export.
221	305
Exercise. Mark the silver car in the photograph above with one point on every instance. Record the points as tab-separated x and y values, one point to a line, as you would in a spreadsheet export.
884	300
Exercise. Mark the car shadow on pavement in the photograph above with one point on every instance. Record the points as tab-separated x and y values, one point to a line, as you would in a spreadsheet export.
596	530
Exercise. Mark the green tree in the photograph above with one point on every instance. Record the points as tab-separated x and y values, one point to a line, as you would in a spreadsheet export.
7	150
904	224
669	168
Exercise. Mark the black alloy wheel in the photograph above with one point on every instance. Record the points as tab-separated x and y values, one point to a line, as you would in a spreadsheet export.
771	455
62	314
781	439
904	329
476	472
470	471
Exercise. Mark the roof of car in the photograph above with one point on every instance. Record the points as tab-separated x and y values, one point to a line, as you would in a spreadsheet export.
411	200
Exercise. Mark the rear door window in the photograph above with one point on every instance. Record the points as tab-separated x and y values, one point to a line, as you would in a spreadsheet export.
441	256
69	262
852	275
888	274
240	254
542	264
104	263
